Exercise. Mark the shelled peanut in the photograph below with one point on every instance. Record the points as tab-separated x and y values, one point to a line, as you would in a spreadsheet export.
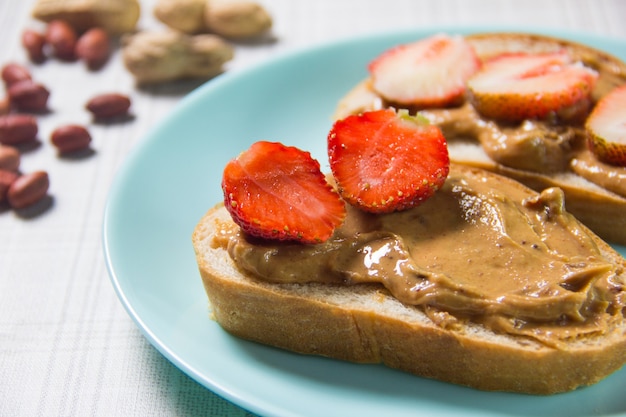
12	73
94	48
9	158
61	37
5	105
34	43
60	40
18	129
108	106
28	189
70	138
7	178
20	190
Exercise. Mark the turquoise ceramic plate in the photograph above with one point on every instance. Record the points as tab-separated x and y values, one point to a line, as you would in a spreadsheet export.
173	177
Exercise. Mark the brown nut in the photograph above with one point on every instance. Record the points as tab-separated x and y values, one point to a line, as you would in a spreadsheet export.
94	48
34	43
6	179
107	106
70	138
62	39
17	128
13	73
5	106
28	189
29	96
9	158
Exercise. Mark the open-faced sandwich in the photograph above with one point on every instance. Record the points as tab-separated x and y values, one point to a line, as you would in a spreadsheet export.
400	256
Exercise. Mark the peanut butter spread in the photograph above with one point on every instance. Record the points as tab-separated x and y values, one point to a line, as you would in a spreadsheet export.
532	145
480	249
606	176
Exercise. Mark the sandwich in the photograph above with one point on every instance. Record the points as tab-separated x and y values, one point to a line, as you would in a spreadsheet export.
401	257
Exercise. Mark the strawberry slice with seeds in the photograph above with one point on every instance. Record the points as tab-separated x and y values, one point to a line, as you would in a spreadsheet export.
519	86
606	128
273	191
431	72
385	161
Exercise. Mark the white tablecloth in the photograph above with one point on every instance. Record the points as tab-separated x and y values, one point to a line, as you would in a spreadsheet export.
67	346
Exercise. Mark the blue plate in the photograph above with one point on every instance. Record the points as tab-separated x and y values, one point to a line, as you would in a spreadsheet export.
173	176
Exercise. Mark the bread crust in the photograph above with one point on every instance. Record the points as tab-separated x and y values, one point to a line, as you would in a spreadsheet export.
365	324
599	209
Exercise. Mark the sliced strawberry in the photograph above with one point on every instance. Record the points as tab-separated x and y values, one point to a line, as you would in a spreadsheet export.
514	87
606	128
431	72
278	192
383	161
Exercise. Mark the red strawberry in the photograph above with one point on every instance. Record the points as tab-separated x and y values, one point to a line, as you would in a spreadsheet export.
514	87
606	128
278	192
383	161
431	72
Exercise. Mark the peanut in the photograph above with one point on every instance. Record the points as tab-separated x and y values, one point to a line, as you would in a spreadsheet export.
34	43
107	106
114	16
183	15
16	129
28	189
28	96
62	39
236	19
5	106
94	48
153	56
6	179
9	158
13	73
70	138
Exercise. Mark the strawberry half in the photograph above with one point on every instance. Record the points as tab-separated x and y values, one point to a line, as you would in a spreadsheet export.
273	191
606	128
431	72
385	161
515	87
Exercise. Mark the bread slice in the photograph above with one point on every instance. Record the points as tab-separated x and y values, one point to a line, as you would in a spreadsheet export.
364	323
600	209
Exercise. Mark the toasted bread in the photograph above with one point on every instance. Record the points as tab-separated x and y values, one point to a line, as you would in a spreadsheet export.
601	209
364	323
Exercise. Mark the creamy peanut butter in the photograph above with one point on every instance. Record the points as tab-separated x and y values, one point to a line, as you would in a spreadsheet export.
533	145
610	177
480	249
